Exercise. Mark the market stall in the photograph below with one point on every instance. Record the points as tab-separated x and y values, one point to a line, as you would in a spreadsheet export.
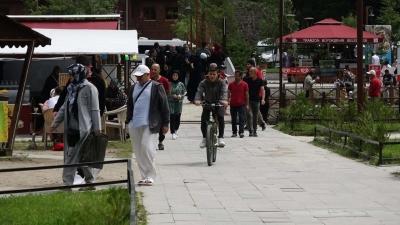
14	34
325	47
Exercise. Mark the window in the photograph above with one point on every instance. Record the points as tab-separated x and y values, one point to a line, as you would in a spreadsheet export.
171	13
149	13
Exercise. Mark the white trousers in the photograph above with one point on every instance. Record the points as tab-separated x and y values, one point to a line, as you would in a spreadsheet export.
143	144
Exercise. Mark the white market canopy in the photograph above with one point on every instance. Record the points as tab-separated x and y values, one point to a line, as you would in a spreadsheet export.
79	41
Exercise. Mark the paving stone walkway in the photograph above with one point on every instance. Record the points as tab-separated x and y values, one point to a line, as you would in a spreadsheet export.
272	179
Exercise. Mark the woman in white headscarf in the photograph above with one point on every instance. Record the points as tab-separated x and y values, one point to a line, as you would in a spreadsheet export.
81	115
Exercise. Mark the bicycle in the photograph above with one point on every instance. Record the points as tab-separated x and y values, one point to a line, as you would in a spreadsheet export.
211	135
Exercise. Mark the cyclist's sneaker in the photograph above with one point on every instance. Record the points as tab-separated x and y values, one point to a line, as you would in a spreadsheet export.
234	135
174	136
160	146
203	143
221	142
241	135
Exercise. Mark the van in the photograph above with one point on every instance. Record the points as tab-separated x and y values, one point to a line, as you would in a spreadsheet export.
267	51
145	45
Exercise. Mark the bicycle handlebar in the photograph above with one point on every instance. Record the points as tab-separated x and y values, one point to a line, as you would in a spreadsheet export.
211	104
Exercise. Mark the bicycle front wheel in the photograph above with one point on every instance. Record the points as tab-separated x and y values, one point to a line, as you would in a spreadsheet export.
210	144
214	151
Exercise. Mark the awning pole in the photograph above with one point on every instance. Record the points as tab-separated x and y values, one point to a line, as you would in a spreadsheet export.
18	100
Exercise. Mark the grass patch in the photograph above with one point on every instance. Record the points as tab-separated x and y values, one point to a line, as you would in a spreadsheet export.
28	145
341	151
392	127
122	149
392	152
299	129
272	70
106	207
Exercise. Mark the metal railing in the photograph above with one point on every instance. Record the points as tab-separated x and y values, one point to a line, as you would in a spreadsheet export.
344	138
129	181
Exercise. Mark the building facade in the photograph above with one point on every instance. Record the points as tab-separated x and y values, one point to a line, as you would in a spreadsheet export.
11	7
153	19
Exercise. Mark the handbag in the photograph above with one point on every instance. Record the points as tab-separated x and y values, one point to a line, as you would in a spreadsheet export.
94	149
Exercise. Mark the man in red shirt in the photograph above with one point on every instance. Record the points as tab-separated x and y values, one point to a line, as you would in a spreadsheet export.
155	75
375	85
238	100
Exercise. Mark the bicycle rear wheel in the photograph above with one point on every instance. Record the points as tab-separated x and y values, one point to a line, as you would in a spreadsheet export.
210	144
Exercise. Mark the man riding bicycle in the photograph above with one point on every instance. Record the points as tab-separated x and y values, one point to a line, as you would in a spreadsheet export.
212	90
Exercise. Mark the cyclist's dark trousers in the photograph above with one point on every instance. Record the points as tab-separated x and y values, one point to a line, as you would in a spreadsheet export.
175	121
221	124
252	115
238	118
161	136
264	111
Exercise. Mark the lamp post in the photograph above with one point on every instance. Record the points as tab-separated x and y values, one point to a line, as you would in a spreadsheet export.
281	94
309	21
360	75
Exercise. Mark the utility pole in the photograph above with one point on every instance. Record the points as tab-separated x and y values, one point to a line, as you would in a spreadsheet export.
126	14
281	94
203	26
360	75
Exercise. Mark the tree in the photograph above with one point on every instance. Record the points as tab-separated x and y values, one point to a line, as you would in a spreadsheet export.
389	15
322	9
248	21
350	20
70	7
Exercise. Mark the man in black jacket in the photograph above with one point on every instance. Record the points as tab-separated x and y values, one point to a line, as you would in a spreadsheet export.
147	114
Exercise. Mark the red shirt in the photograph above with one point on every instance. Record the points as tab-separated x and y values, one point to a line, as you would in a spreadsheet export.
238	93
375	87
260	74
164	81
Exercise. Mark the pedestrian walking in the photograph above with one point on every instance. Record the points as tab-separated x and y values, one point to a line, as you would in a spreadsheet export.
256	96
375	85
264	109
81	115
147	114
178	91
238	101
155	75
309	82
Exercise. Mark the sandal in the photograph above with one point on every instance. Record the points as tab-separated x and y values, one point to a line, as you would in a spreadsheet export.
146	182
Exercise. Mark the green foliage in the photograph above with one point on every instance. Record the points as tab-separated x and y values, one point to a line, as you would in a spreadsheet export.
108	207
350	20
298	110
372	123
389	14
71	7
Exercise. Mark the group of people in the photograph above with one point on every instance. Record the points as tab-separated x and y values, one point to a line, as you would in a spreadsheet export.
154	103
